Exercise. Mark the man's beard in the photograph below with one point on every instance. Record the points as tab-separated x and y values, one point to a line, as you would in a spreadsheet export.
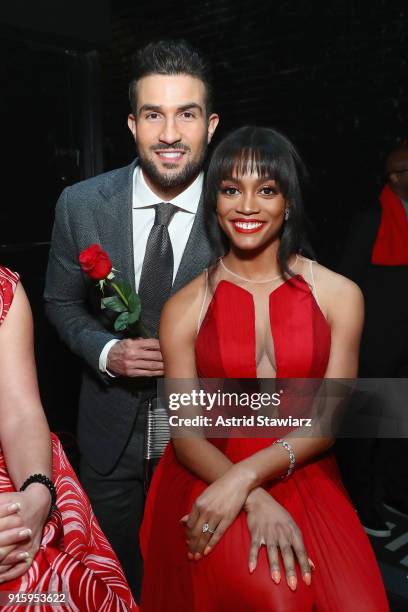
172	179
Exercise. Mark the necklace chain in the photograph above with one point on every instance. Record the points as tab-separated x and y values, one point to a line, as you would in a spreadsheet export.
249	280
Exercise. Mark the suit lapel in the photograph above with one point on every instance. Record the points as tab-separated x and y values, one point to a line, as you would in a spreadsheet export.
114	221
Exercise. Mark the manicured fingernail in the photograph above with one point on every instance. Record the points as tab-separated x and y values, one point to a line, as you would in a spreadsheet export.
197	556
252	566
14	507
23	555
24	533
207	550
307	577
292	582
276	577
190	556
312	565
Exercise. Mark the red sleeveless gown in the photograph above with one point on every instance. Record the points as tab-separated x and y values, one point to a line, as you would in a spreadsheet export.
347	577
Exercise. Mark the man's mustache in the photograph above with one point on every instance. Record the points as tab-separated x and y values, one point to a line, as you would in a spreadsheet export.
178	146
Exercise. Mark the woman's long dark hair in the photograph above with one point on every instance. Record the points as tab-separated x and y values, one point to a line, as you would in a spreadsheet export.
271	155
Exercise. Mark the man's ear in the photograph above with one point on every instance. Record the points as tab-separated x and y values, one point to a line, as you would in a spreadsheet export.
213	121
131	121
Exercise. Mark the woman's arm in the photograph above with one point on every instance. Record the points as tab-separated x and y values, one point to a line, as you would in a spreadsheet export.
345	307
178	329
24	433
24	438
345	312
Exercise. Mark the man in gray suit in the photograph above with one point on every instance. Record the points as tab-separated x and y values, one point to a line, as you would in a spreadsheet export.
149	217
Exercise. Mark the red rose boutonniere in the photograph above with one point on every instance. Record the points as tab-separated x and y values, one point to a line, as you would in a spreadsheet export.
96	263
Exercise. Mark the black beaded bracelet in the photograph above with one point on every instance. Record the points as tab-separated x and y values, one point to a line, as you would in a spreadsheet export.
42	479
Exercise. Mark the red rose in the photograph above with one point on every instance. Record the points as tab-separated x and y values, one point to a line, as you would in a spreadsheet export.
95	262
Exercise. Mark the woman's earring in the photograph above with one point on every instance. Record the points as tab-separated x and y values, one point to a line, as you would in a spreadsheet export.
286	213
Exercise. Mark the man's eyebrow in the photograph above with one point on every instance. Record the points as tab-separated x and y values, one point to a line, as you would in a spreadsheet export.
190	106
149	107
158	109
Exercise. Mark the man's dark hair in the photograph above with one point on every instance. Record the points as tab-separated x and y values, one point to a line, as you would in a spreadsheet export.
170	57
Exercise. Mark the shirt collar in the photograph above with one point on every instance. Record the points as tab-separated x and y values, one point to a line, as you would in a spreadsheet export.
187	200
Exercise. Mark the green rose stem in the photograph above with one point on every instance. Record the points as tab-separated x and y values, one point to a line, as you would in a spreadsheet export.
120	294
143	331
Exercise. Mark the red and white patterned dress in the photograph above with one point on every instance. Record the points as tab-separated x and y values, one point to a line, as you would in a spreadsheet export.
75	557
8	284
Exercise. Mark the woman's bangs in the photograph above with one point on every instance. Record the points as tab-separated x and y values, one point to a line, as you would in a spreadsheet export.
254	160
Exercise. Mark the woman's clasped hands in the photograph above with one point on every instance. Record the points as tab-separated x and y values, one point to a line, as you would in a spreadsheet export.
22	518
269	525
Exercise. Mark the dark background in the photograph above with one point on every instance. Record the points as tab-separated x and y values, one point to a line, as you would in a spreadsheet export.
332	75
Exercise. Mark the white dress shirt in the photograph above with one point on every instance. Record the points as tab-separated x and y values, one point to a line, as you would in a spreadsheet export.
143	201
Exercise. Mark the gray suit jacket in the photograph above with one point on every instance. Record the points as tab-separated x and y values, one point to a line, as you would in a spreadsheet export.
99	210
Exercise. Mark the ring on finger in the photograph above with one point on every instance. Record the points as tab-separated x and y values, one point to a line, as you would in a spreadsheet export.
206	529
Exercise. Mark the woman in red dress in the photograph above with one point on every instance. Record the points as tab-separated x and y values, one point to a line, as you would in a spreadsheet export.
222	530
55	558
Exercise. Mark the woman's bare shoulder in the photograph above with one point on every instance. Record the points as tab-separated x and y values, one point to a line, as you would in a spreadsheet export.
183	308
190	295
333	282
337	293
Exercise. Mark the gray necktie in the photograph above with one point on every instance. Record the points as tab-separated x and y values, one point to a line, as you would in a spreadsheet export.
156	278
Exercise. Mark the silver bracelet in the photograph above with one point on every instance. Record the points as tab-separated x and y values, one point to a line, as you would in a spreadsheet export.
292	458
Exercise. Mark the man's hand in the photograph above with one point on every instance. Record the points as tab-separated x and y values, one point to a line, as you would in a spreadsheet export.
136	357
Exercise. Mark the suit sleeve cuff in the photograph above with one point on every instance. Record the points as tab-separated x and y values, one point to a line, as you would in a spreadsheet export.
103	357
